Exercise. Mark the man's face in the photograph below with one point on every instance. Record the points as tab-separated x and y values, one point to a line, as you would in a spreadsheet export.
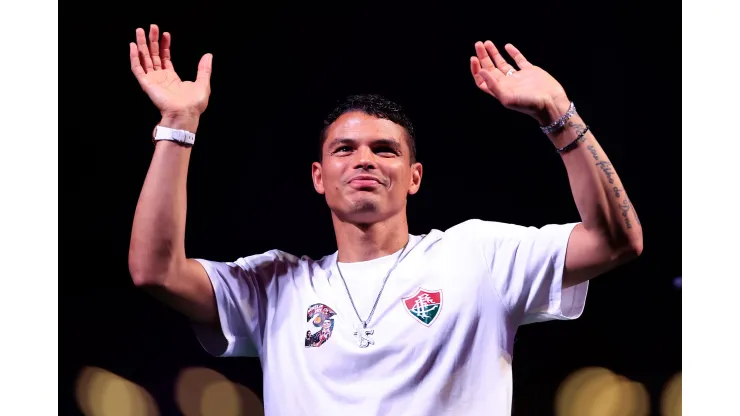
366	172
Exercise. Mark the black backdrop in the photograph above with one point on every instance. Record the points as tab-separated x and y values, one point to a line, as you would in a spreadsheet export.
276	76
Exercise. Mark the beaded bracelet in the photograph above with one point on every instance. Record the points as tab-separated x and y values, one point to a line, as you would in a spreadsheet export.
573	144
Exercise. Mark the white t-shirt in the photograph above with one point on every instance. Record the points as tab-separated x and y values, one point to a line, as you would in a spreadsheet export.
443	330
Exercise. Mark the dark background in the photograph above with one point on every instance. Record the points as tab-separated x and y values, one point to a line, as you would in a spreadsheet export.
276	75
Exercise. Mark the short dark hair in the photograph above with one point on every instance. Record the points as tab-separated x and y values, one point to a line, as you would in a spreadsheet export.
376	106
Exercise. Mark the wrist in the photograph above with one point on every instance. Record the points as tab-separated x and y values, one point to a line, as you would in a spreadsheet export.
553	110
185	122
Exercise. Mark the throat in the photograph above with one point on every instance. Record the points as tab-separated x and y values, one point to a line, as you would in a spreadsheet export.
357	244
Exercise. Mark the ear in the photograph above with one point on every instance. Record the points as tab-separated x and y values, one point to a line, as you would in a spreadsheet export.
318	180
415	179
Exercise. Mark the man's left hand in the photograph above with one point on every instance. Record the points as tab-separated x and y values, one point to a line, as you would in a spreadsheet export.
529	89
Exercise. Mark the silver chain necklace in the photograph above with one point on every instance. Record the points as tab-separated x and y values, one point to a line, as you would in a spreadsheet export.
361	332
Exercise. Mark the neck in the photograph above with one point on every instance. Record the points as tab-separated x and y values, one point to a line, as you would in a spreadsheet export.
363	242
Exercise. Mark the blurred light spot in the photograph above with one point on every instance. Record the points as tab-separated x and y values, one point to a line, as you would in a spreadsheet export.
640	400
202	392
670	401
102	393
251	404
220	398
598	391
677	282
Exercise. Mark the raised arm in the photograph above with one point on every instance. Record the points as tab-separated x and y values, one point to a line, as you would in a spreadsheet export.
157	258
610	232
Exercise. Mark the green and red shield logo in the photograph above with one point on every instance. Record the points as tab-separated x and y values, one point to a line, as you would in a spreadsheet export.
424	305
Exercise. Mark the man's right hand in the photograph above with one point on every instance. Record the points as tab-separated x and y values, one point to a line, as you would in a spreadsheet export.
180	102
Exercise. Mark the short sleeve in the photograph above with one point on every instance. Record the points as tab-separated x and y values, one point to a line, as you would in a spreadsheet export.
243	291
526	266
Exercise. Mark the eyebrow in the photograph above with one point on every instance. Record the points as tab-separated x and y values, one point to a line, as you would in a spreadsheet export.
377	142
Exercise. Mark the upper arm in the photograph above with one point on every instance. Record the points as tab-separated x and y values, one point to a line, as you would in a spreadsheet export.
526	265
188	290
590	254
226	301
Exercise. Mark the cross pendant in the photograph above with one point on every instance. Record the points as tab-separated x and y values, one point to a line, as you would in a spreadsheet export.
363	337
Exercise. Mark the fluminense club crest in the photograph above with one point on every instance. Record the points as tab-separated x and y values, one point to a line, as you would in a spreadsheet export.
424	305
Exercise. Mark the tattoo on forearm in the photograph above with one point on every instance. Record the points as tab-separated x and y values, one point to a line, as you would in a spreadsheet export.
617	191
625	207
593	151
579	128
606	167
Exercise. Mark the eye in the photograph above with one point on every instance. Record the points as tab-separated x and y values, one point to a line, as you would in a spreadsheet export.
342	149
386	150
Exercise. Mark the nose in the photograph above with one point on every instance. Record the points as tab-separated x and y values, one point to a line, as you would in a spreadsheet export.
365	158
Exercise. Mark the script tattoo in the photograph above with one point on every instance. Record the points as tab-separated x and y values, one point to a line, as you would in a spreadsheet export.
580	128
593	151
606	167
617	191
625	207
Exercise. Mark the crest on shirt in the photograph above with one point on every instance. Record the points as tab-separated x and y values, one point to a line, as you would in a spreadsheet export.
319	324
424	305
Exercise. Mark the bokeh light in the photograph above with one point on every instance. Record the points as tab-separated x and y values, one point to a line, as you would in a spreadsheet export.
670	400
597	391
204	392
102	393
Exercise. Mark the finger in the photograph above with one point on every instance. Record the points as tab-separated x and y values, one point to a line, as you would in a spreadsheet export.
517	56
498	60
154	46
135	63
204	69
475	69
166	57
491	80
485	60
143	50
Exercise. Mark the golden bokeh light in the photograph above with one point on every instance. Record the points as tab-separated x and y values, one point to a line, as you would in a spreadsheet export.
204	392
102	393
594	391
670	400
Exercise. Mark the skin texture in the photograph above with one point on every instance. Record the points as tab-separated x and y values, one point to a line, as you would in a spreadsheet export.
369	214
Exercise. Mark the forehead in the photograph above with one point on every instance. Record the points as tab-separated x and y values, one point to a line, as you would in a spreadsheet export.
360	126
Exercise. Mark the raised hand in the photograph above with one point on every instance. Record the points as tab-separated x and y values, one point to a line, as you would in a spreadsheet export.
529	90
152	66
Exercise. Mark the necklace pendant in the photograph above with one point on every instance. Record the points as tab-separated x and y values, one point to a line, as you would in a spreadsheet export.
363	337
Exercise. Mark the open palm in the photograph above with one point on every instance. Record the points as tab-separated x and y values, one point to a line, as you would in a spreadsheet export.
152	66
528	90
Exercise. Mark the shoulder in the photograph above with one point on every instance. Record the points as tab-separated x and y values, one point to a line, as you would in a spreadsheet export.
475	229
278	263
499	240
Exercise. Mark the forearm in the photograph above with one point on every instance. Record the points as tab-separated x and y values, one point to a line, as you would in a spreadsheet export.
598	192
157	244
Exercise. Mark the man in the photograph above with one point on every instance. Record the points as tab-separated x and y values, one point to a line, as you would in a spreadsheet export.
392	323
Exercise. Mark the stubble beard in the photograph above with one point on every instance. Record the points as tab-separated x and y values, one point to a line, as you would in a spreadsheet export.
363	206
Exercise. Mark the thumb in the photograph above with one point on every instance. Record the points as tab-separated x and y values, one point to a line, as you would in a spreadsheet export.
204	69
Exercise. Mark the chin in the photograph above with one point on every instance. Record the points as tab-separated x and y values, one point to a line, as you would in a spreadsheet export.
362	211
364	205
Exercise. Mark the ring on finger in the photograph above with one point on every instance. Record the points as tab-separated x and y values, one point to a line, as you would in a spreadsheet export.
510	71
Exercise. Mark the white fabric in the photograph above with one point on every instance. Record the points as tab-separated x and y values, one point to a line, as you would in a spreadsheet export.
492	276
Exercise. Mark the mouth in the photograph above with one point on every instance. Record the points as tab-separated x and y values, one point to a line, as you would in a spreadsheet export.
364	181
